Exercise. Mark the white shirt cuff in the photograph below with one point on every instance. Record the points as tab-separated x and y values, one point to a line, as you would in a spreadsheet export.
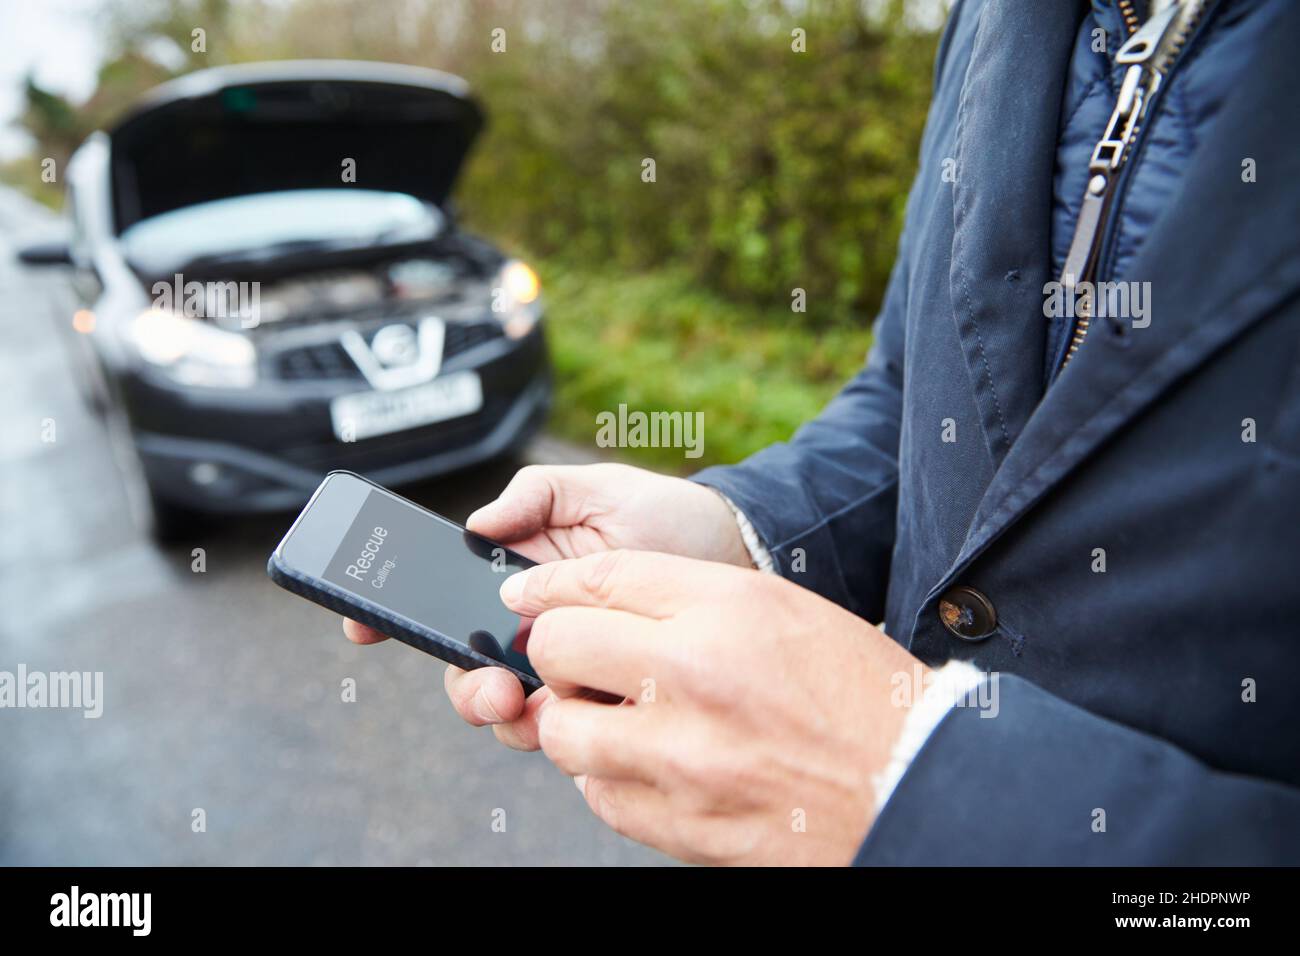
948	686
759	556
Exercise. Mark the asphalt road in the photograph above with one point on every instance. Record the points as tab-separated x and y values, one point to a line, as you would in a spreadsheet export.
221	693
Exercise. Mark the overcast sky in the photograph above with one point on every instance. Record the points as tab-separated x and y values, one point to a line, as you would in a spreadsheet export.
57	42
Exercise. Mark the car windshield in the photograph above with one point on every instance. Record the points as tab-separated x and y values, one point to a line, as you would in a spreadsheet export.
264	225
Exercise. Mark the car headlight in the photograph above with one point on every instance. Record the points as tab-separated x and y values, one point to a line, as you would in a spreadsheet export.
193	351
516	298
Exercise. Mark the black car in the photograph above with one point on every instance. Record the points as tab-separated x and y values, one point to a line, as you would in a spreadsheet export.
274	285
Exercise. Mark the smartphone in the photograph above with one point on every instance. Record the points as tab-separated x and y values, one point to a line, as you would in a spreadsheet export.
380	559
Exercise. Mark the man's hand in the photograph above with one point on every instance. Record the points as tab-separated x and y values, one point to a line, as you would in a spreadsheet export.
551	512
756	712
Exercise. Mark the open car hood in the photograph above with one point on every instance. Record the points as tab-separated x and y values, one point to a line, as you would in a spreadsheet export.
264	127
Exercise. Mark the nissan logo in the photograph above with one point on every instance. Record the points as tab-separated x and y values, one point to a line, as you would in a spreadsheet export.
395	346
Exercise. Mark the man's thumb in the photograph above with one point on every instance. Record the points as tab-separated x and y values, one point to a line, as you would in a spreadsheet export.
522	509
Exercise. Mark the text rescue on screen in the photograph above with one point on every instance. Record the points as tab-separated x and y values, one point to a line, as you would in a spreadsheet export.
366	560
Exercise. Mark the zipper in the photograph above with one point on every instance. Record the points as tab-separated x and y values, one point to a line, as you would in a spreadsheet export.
1129	13
1149	52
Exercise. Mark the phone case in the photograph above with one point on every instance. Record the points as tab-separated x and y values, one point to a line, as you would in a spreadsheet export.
385	621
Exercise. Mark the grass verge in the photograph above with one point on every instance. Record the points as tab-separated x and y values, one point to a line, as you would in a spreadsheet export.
658	341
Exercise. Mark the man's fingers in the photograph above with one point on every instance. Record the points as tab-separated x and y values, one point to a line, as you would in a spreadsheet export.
486	695
641	582
576	648
537	498
602	740
491	695
634	809
360	634
520	511
521	734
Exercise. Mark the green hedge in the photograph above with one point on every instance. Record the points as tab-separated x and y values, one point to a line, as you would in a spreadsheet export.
775	170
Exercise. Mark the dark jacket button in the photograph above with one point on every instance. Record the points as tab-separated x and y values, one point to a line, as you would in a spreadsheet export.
967	613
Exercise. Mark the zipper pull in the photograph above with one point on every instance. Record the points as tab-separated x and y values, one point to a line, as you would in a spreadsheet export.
1108	156
1112	149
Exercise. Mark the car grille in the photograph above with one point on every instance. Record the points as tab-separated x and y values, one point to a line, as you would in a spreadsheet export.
463	336
329	360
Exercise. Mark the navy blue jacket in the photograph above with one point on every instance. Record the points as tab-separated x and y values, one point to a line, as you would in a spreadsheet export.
1164	691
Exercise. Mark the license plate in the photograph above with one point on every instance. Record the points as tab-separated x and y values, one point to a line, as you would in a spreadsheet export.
367	414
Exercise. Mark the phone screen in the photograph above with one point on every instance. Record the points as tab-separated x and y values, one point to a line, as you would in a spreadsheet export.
431	571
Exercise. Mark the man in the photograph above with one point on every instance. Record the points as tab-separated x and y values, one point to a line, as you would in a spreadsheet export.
1067	481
